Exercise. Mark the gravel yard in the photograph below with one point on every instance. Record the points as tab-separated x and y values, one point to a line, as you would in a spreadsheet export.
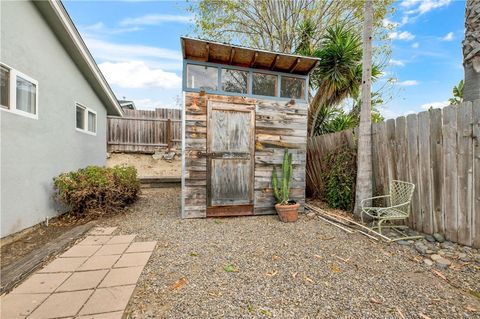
258	267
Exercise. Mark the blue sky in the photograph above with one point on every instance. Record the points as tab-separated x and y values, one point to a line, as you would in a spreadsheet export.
137	47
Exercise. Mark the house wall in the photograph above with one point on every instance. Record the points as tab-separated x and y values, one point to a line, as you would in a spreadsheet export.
278	125
35	151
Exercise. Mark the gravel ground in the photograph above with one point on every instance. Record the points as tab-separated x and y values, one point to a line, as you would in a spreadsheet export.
258	267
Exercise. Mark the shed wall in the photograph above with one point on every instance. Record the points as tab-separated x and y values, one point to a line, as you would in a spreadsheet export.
278	125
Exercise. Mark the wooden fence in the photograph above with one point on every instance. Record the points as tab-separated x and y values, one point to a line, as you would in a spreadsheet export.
143	131
437	150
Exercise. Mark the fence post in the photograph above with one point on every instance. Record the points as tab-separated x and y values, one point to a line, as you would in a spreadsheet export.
169	134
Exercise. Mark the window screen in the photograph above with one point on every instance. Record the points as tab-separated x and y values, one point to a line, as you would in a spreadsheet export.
234	81
264	84
202	77
293	88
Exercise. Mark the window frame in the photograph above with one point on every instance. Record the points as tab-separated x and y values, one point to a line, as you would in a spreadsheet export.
85	119
250	71
12	91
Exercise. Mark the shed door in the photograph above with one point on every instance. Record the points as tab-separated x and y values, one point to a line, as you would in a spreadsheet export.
230	152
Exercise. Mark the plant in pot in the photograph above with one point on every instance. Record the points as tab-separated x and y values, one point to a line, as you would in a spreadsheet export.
287	209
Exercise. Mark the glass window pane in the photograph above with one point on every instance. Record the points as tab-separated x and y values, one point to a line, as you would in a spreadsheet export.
264	84
80	117
4	86
202	77
92	122
26	96
234	81
293	88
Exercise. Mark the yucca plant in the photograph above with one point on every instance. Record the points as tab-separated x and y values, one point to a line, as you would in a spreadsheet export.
281	186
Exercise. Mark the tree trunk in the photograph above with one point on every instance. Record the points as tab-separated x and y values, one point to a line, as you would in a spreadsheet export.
364	153
471	51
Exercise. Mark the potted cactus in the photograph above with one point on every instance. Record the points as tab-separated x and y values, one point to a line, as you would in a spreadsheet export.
287	209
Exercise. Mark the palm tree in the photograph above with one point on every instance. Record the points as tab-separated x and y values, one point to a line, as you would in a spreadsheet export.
471	51
457	94
364	151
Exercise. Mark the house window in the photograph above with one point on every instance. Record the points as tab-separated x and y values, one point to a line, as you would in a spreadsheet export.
86	119
293	88
202	77
26	96
264	84
234	81
4	87
18	92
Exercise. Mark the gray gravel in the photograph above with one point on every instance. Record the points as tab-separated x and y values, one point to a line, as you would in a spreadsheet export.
307	269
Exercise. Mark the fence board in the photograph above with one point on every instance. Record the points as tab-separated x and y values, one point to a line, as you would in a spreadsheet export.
464	140
144	131
416	220
436	164
476	175
438	151
449	131
424	168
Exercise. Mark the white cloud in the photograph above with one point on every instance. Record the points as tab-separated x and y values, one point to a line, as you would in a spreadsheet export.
156	19
434	105
109	51
396	62
448	37
136	74
407	83
415	45
423	6
100	28
405	36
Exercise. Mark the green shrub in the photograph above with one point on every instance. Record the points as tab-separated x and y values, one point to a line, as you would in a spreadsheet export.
339	177
97	190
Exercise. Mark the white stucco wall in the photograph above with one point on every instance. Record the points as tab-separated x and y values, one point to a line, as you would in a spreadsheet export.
35	151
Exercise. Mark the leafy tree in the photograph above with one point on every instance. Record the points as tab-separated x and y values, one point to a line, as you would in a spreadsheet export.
457	94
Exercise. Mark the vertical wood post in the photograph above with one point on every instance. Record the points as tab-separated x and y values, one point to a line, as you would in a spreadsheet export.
169	134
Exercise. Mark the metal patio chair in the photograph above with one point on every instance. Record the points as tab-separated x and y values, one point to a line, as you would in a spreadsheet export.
395	206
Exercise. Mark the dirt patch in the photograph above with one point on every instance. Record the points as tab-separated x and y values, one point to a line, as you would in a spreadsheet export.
146	165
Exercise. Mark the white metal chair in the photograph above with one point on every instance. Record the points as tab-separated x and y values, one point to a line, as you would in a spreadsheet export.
391	207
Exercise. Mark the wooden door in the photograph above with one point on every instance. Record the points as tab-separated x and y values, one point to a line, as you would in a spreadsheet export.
230	164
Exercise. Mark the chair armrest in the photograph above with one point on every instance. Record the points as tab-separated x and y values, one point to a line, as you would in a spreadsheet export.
362	203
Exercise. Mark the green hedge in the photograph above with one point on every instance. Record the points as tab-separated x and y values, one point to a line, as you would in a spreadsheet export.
97	190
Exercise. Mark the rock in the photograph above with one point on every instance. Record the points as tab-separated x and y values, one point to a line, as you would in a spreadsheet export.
403	242
447	245
429	251
462	255
439	237
430	238
169	156
435	257
443	262
311	215
421	248
157	155
441	252
428	262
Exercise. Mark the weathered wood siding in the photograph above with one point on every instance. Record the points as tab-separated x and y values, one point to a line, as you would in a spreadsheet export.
438	151
278	125
144	131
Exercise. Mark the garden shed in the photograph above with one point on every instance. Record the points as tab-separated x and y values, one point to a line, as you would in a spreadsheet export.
242	108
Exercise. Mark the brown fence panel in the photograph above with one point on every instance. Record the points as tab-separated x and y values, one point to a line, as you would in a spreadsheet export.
145	131
437	150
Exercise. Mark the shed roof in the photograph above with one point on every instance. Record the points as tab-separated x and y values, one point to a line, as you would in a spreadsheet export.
223	53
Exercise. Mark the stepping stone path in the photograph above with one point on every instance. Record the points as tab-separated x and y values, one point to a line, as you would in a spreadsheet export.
93	279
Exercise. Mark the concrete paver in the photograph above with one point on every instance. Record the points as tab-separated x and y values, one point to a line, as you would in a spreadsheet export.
122	276
99	262
121	239
41	283
64	264
139	247
81	251
15	306
61	304
108	315
114	249
95	240
83	280
108	300
133	259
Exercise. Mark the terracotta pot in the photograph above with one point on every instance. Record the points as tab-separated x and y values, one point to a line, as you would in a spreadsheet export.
287	213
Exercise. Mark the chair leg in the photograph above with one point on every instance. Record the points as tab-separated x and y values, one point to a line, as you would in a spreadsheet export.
380	221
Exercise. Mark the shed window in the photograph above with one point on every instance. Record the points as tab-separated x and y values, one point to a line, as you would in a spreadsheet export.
4	86
86	119
264	84
293	88
202	77
234	81
26	96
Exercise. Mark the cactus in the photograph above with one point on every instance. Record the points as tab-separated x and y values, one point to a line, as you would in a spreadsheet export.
281	187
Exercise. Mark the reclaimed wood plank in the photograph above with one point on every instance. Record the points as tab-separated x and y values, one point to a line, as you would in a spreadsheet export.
476	176
436	163
416	220
450	194
424	168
